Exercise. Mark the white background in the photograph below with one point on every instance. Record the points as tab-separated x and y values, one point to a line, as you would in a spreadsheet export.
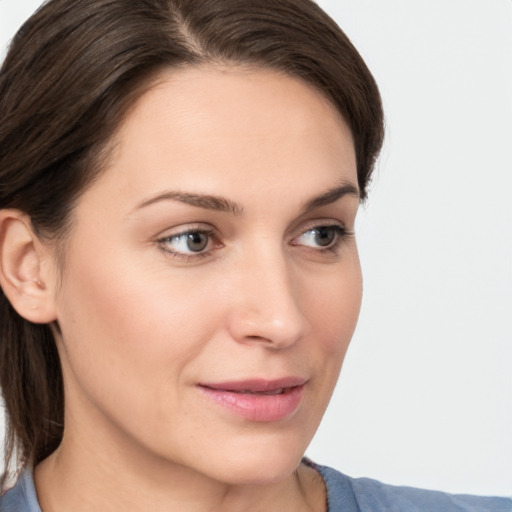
425	397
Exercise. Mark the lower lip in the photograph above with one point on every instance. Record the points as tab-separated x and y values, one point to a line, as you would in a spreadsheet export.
258	407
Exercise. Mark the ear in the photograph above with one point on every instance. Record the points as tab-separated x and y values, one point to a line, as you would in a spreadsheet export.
25	274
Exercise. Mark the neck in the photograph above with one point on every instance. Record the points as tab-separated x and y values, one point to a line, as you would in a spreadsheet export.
89	479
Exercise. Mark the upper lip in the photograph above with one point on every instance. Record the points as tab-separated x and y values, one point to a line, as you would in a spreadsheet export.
256	385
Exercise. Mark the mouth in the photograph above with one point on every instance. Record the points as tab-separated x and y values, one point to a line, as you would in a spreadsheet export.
258	399
278	391
258	386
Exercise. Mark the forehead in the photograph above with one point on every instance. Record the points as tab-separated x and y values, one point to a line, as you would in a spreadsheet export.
212	127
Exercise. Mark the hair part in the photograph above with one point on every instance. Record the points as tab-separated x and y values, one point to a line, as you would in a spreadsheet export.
71	75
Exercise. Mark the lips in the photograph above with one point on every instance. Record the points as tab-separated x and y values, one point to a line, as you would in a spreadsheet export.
258	399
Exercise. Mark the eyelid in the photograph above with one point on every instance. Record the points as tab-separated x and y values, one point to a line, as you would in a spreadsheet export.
184	230
342	235
318	223
215	240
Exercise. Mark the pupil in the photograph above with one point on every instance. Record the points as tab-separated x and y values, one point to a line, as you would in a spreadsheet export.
197	241
324	236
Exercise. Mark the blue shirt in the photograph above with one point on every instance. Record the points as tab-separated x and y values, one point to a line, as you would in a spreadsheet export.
344	494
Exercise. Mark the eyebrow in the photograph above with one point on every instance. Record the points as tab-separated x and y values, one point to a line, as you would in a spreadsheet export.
205	201
332	196
222	204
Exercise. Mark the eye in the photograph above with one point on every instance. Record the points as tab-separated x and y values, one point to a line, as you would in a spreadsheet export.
321	237
188	243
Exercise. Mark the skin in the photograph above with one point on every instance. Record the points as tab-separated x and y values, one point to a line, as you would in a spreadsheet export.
143	320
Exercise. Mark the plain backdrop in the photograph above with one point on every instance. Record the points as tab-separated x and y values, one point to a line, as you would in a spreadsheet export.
425	397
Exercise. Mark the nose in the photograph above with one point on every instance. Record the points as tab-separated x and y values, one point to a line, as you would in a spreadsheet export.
267	302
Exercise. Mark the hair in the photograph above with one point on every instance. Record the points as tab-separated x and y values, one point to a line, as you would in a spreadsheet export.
70	77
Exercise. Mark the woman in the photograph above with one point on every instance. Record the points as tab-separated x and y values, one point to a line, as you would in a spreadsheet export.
179	184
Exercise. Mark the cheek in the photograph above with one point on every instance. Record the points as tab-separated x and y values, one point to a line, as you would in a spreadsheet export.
127	336
334	309
131	315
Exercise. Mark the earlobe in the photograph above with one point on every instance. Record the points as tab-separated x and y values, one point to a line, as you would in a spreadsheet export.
27	286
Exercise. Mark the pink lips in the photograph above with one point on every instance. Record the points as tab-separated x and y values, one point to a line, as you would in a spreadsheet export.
258	399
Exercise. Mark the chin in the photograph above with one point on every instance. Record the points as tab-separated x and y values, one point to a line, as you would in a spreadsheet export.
262	463
259	470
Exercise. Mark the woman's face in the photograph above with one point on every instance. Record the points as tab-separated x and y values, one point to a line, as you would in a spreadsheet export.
211	283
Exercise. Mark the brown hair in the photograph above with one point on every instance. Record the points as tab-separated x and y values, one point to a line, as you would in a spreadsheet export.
72	72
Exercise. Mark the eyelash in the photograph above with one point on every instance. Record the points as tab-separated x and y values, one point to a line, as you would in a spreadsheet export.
209	233
341	234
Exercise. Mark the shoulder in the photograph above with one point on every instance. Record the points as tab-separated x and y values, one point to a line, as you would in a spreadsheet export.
367	495
22	497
